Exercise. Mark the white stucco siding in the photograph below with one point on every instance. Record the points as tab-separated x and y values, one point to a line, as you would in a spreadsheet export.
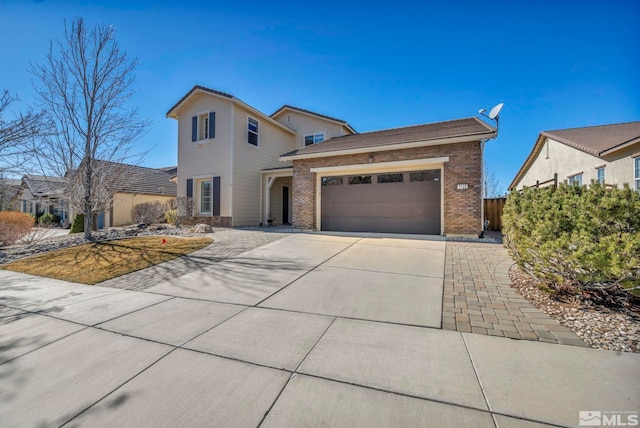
206	158
567	161
305	124
250	160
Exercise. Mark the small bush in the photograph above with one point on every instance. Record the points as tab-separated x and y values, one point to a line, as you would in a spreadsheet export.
47	219
78	224
179	210
148	213
575	235
171	216
13	226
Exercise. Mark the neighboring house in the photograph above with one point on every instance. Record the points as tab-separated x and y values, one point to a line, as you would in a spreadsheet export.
8	190
144	185
245	168
39	194
609	154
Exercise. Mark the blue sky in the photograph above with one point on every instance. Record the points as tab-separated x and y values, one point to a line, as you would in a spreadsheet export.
555	64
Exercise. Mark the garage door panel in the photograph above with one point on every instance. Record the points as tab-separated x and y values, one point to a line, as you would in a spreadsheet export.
392	207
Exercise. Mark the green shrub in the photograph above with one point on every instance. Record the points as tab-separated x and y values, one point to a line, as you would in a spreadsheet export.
78	224
575	235
46	219
13	226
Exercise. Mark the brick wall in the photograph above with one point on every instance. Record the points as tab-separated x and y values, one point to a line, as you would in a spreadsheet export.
462	212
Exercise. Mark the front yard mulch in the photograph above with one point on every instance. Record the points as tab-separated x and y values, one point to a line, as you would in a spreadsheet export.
98	261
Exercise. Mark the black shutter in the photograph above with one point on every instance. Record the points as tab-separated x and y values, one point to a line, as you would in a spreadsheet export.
194	128
212	124
189	187
216	196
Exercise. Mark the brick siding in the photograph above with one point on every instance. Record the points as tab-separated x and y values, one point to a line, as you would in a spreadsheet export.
462	208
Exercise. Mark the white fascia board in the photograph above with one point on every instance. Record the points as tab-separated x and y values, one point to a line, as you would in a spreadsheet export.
316	116
263	116
406	165
389	147
288	172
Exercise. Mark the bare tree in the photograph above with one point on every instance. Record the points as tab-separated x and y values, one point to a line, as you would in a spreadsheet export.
491	184
16	135
84	87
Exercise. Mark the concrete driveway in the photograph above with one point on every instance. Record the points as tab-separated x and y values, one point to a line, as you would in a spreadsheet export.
309	330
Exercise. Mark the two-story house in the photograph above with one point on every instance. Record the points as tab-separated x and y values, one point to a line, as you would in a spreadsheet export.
229	156
609	154
245	168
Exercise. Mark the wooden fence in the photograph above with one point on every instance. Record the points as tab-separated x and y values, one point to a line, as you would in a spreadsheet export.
493	212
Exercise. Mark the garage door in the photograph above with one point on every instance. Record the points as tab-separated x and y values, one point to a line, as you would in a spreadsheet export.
398	202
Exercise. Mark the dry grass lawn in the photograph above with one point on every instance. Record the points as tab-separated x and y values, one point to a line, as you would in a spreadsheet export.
99	261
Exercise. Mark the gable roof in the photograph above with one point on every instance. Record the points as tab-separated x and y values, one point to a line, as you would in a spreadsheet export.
447	132
144	180
312	113
42	185
173	111
597	141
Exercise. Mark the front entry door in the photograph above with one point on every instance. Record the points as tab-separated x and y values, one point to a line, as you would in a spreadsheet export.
285	205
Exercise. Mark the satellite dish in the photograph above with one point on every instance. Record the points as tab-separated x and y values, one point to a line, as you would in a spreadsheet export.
482	110
495	112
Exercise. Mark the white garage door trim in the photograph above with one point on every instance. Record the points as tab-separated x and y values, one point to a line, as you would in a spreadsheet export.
380	167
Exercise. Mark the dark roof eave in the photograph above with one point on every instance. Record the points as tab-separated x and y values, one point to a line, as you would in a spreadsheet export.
313	113
191	92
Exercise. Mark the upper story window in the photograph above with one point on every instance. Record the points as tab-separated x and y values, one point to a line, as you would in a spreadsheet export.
252	128
576	180
600	175
313	138
203	126
637	173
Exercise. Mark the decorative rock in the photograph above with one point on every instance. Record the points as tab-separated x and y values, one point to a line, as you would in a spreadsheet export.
157	227
202	228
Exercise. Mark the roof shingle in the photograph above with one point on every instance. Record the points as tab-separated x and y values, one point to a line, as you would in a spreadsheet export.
596	140
408	134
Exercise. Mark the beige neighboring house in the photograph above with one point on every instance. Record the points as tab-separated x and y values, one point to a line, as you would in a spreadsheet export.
146	185
245	168
40	194
609	154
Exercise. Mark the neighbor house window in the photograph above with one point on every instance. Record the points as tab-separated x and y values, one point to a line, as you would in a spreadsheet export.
205	196
252	128
600	175
313	139
637	173
575	180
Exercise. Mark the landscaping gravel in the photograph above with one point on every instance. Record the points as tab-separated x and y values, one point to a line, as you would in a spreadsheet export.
598	326
37	246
